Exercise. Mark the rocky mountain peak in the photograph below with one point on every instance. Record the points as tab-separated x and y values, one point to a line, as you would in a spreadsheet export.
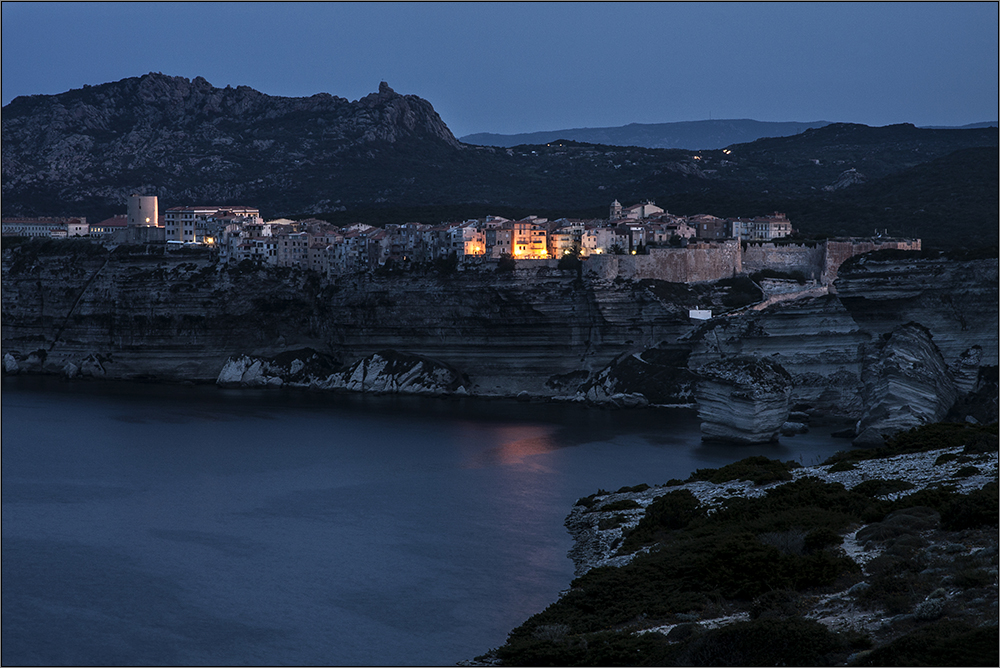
188	140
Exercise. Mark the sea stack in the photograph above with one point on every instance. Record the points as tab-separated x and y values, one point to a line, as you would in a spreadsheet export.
743	399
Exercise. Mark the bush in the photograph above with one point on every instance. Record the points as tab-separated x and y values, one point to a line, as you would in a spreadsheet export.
975	509
642	487
672	511
942	643
764	642
506	263
758	469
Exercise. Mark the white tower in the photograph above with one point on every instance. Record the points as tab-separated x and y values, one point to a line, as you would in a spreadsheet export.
142	211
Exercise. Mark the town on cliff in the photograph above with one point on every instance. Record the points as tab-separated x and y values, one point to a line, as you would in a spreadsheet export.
639	241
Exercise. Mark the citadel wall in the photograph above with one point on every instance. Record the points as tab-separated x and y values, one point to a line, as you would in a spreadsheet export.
697	263
710	261
807	257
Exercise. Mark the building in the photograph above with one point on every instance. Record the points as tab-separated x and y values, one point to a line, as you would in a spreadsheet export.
761	228
709	227
182	221
107	227
143	211
56	228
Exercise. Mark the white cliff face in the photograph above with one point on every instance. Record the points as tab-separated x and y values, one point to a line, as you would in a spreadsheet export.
743	400
906	383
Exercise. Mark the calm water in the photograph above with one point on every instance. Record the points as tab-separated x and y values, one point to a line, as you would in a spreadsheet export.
196	526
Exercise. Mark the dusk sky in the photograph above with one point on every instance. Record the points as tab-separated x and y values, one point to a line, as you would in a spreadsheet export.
523	67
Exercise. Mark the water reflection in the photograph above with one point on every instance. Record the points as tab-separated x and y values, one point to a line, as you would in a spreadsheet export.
511	446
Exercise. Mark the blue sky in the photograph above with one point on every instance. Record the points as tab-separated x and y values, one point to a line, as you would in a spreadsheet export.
523	67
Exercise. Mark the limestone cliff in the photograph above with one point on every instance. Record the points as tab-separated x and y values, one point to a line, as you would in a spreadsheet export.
77	309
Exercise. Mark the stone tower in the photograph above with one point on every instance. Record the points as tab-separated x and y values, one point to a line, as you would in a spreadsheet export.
616	210
142	211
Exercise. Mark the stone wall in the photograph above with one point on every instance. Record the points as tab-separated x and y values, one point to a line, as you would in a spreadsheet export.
839	251
697	263
807	257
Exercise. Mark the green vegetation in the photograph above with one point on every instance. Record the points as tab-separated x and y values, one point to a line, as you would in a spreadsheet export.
770	556
758	470
936	436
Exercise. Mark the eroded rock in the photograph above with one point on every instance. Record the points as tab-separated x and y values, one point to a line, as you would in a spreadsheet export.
743	399
905	383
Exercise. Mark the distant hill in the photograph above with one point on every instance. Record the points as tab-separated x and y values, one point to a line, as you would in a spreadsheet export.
690	135
986	124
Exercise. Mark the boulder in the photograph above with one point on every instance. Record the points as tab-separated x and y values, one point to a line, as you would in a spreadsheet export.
743	399
10	364
792	428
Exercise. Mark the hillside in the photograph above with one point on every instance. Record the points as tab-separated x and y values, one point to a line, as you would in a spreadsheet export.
386	155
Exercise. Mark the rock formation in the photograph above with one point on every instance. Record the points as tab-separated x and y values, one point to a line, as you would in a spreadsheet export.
385	372
905	384
536	332
743	399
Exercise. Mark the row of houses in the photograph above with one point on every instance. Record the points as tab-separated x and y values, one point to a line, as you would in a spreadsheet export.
239	233
761	228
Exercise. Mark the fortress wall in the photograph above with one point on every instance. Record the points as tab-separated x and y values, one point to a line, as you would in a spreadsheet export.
694	264
804	257
837	252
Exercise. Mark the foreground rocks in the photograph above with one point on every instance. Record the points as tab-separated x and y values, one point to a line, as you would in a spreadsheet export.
863	560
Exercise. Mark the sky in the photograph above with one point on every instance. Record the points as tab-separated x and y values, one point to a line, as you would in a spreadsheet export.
531	66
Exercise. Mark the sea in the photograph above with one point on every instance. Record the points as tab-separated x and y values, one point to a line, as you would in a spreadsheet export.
149	524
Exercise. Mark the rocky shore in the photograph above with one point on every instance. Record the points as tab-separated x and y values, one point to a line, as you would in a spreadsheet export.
876	557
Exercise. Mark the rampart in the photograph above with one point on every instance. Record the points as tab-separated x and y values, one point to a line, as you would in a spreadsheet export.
699	262
709	261
808	257
839	250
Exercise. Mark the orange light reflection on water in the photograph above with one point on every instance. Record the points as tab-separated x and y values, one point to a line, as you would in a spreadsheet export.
517	446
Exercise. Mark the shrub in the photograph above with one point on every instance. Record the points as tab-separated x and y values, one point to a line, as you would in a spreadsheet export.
942	643
842	466
642	487
758	469
977	508
674	510
777	603
965	472
612	522
821	538
506	263
973	578
764	642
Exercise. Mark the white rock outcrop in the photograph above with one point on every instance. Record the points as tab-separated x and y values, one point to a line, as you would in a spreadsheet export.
906	383
743	399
